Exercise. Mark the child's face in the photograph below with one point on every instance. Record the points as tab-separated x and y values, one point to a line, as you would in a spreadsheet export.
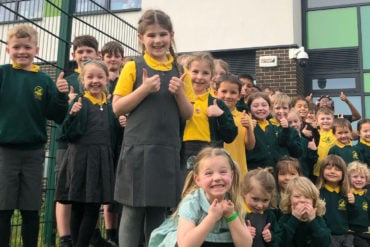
247	88
157	42
84	53
297	198
22	51
332	175
258	200
285	175
343	135
229	93
325	121
200	73
260	108
311	117
357	180
294	121
94	79
302	108
214	177
114	61
280	111
219	71
365	132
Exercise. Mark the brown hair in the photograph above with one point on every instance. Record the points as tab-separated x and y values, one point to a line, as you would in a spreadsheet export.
85	40
202	56
341	122
112	48
337	161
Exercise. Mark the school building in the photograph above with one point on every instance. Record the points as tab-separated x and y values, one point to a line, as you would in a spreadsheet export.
267	39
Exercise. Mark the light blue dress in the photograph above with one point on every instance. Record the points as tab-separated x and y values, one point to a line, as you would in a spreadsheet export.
194	207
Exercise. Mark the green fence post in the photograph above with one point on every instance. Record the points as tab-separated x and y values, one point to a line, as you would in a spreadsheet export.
66	17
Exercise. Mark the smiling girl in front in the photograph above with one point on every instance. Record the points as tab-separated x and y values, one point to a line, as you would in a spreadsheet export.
259	192
86	174
211	211
334	189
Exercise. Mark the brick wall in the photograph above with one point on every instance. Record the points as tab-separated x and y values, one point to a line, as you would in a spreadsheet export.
287	76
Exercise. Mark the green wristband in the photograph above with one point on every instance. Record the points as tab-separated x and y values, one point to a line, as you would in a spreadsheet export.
232	217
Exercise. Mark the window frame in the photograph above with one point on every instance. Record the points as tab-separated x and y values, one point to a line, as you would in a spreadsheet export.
20	10
95	9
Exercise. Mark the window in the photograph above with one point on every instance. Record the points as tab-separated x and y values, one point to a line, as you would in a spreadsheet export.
19	9
83	6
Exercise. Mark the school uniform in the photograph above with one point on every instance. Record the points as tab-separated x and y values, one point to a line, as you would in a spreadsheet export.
87	170
308	158
359	218
364	148
273	142
259	221
27	100
336	217
348	153
296	233
327	140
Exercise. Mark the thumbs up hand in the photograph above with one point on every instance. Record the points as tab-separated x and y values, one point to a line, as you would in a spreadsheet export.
153	84
246	120
214	110
351	196
176	84
71	95
251	229
266	233
76	107
284	122
62	84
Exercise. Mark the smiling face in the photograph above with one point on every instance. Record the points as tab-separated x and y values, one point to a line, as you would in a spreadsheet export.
260	108
22	51
257	199
84	53
302	108
343	134
214	177
157	41
200	74
285	175
113	61
332	175
229	93
325	121
280	111
94	79
365	132
357	180
294	121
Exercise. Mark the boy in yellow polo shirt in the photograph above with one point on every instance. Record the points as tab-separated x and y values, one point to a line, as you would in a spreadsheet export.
228	89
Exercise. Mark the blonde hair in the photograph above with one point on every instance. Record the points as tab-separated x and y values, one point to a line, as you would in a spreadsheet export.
224	65
357	166
23	31
234	193
266	180
280	99
308	189
202	56
337	161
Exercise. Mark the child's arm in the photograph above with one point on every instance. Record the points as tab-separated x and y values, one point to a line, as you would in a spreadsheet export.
355	114
249	139
191	235
239	231
125	104
176	86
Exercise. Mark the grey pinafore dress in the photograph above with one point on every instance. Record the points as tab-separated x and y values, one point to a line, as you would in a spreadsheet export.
148	167
87	172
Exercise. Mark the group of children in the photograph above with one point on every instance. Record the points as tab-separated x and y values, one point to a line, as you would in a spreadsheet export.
192	128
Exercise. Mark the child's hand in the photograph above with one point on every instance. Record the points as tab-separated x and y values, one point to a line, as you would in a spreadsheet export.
298	211
246	120
176	84
310	212
309	97
284	122
215	210
343	97
76	107
307	133
254	121
227	207
251	229
122	120
71	95
266	233
153	83
312	145
351	197
62	84
214	110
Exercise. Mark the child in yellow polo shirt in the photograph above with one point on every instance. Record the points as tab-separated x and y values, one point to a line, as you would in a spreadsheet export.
228	88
